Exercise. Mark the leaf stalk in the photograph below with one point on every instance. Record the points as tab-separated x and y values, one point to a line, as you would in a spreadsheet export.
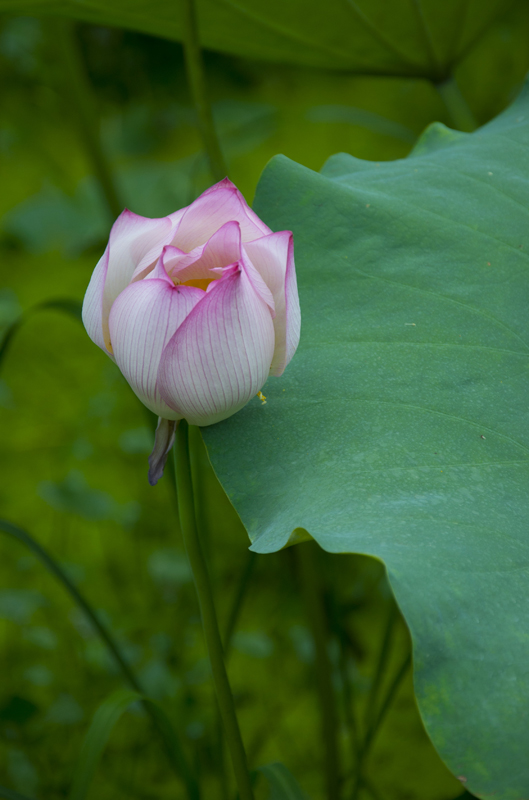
313	596
79	93
197	85
458	109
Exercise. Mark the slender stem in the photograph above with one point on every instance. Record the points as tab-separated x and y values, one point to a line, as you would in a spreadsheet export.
197	85
80	96
233	617
381	666
460	113
313	596
371	716
348	696
347	649
360	779
175	754
399	675
210	626
221	756
200	492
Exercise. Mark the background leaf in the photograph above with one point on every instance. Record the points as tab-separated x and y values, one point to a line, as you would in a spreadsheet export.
416	38
401	428
67	305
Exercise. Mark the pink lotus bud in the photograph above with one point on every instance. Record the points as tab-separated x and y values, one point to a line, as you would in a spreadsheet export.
197	309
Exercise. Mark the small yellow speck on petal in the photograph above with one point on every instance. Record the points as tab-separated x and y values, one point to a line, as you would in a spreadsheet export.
261	397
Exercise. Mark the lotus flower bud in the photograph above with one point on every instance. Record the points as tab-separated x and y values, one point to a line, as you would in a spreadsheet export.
197	309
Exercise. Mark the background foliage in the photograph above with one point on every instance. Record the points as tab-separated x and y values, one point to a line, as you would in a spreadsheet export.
76	441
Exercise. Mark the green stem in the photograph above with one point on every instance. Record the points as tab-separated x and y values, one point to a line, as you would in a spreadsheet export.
460	114
233	617
210	626
399	675
371	716
174	750
348	696
80	97
361	779
313	595
383	656
197	85
221	757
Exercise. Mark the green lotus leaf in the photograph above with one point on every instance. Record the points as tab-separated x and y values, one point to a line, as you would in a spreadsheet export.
417	38
401	427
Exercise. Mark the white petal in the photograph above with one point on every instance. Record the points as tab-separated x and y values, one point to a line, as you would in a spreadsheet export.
273	257
220	356
142	320
258	283
220	204
93	303
135	243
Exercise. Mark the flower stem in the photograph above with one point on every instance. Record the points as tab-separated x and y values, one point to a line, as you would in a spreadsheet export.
313	595
80	97
210	626
233	617
197	85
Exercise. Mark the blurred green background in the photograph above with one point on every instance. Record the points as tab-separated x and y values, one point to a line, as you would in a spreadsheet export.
75	440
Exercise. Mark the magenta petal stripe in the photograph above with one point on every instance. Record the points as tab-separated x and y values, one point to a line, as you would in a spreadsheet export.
220	356
142	320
